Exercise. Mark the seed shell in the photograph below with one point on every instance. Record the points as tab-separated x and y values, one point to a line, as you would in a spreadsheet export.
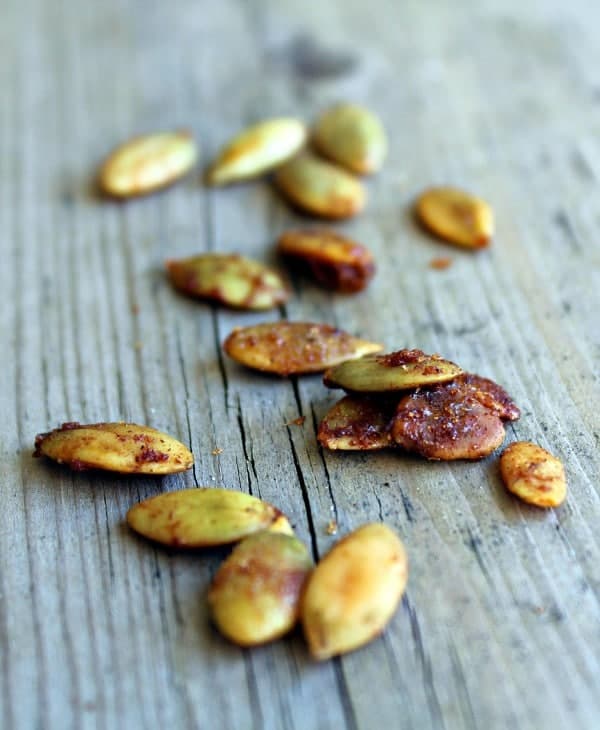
257	150
294	348
358	423
335	261
254	597
353	592
533	474
146	163
353	137
127	448
456	216
447	422
229	279
401	370
193	518
320	188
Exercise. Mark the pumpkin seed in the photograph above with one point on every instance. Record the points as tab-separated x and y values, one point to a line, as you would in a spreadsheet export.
145	164
533	474
335	261
255	594
489	394
357	423
193	518
401	370
257	150
353	592
293	348
122	447
447	422
353	137
320	188
229	279
456	216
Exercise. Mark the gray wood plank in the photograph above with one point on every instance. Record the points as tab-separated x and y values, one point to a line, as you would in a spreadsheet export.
500	625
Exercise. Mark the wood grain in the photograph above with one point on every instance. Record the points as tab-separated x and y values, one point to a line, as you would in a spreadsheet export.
500	625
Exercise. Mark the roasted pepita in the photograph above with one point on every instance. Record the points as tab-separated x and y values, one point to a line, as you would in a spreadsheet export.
335	261
255	594
293	348
401	370
320	188
456	216
358	423
145	164
353	137
353	592
257	150
127	448
533	474
193	518
228	279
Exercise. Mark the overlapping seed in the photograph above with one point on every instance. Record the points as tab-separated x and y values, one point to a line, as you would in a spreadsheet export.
294	348
229	279
358	423
446	423
320	188
353	137
335	261
193	518
533	474
353	592
456	216
146	163
254	597
400	370
127	448
257	150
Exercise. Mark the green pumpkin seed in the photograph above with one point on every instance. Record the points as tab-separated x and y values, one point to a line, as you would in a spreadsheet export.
229	279
147	163
192	518
255	594
358	423
320	188
257	150
293	348
401	370
353	137
127	448
353	592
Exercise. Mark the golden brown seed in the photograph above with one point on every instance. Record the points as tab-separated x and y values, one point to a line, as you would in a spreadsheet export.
145	164
228	279
358	423
401	370
122	447
320	188
257	150
533	474
294	348
456	216
447	422
337	262
193	518
255	594
353	137
353	592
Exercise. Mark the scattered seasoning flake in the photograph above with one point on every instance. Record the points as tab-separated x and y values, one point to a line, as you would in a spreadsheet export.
135	309
332	527
138	344
297	421
440	263
217	451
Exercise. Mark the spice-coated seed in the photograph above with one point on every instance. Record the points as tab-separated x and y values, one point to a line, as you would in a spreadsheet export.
456	216
533	474
358	423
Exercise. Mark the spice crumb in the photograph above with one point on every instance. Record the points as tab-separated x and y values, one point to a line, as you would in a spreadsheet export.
440	263
138	344
332	527
216	451
297	421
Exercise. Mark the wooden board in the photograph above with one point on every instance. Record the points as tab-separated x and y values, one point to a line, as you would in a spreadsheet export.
500	625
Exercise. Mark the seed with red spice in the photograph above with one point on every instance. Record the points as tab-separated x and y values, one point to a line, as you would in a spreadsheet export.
533	474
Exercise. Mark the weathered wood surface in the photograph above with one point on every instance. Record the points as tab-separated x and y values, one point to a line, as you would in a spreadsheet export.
500	626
